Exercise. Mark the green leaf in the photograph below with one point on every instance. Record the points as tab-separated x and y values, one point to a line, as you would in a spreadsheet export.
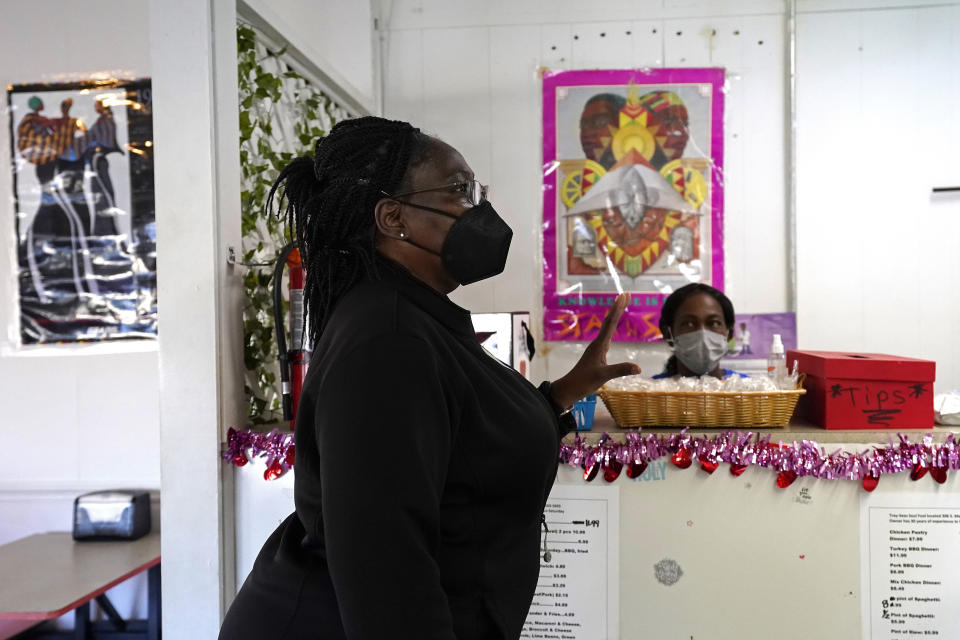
245	127
262	79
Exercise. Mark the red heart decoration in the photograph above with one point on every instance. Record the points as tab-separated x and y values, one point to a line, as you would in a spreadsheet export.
590	473
939	474
918	472
611	470
736	470
635	469
240	460
786	478
274	471
709	465
682	458
291	455
870	482
802	556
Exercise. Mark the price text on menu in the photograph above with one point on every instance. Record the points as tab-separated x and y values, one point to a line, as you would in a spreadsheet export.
914	588
573	599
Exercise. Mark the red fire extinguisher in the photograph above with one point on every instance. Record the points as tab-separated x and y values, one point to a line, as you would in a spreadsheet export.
293	361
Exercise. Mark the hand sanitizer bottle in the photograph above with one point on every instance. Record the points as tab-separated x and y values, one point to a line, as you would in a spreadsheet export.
777	362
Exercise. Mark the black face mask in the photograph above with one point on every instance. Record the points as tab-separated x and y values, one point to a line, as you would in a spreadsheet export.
476	245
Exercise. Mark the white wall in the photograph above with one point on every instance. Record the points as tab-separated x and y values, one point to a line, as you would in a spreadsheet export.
878	259
466	71
75	419
334	36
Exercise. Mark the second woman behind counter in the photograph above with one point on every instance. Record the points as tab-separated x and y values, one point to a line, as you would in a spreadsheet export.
697	321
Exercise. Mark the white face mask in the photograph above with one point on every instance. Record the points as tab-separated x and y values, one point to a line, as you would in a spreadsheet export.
700	351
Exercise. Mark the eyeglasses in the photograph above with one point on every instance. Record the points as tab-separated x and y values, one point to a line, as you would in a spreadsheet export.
471	189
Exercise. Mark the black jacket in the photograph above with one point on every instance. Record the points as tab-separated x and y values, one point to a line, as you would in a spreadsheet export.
423	465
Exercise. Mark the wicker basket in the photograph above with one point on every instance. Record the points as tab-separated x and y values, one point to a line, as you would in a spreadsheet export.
701	408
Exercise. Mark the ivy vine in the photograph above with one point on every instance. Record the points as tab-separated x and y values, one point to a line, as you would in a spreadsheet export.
281	117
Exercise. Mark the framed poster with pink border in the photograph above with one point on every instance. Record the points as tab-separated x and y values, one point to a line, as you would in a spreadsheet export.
632	194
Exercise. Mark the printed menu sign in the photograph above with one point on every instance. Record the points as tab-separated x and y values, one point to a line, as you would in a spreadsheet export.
909	562
577	596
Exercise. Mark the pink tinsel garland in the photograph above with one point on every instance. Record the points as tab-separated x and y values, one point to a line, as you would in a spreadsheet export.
736	448
276	447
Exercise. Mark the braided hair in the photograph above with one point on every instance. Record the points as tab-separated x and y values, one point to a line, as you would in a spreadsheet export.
328	203
676	299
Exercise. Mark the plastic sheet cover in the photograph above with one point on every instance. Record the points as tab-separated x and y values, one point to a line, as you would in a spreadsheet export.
632	194
83	195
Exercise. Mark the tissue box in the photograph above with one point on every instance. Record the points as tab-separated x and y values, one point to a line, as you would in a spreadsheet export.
120	514
865	390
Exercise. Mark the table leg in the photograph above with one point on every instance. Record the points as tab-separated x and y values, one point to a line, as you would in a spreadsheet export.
154	627
111	612
81	622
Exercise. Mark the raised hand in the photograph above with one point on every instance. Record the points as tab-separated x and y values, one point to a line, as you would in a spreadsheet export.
592	370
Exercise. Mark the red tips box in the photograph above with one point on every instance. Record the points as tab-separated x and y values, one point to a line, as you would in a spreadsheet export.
865	390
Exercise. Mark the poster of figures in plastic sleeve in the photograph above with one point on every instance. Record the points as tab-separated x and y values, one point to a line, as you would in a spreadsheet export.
632	194
84	201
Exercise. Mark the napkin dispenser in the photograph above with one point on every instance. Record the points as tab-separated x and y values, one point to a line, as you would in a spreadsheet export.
119	514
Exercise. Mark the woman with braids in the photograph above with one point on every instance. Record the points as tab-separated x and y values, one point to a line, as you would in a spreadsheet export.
697	321
423	463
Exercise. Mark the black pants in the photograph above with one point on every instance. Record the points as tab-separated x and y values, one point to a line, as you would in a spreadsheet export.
287	596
